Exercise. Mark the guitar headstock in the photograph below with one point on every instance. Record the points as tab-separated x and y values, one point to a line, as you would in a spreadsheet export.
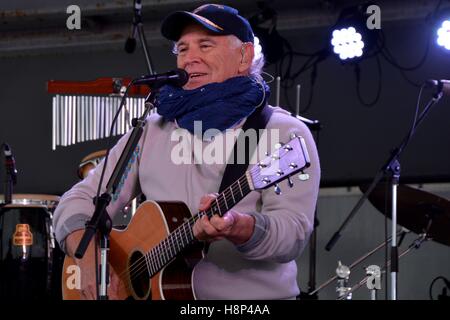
284	162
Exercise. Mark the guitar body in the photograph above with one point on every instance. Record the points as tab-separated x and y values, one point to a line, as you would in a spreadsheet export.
151	224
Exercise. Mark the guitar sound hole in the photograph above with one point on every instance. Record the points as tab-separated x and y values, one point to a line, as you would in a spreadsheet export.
140	280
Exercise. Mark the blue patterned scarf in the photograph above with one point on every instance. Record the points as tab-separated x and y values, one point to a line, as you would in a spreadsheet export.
217	105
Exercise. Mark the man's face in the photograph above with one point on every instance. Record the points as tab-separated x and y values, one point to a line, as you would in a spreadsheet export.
208	58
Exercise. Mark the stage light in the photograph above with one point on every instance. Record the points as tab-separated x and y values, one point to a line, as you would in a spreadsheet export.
351	40
443	34
347	43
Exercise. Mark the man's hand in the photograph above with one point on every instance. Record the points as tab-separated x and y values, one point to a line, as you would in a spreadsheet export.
234	226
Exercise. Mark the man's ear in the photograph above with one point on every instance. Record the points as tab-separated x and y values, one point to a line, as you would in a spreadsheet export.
247	54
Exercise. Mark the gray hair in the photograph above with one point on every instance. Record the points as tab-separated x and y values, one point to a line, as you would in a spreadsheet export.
258	62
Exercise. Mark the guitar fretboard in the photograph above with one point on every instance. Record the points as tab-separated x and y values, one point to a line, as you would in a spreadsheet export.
182	237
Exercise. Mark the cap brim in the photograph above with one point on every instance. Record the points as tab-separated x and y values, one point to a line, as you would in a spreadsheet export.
173	25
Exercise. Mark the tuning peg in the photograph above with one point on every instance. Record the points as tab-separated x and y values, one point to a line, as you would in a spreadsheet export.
287	147
266	180
292	165
303	176
290	183
277	189
262	164
280	172
278	145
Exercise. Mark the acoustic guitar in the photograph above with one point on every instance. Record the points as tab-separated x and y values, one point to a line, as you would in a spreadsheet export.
156	253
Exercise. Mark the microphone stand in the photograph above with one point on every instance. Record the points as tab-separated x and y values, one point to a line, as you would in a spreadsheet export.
143	41
137	22
101	222
391	169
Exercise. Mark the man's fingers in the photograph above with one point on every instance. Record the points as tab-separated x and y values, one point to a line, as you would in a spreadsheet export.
207	227
205	204
206	200
224	223
203	229
214	228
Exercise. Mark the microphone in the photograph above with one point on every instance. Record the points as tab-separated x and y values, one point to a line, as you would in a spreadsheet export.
10	163
130	44
442	85
178	77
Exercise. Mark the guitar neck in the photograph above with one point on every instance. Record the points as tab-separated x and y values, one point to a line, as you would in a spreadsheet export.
183	236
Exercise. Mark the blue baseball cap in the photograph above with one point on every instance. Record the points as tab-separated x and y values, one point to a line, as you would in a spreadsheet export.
219	19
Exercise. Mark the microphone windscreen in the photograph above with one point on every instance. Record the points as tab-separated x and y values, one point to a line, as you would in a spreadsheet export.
182	78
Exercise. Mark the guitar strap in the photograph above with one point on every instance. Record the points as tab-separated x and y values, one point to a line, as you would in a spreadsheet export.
233	171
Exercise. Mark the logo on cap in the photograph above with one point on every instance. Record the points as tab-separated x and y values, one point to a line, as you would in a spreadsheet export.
208	5
212	24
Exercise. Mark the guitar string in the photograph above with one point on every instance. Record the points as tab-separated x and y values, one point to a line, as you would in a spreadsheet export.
140	266
177	232
141	263
166	243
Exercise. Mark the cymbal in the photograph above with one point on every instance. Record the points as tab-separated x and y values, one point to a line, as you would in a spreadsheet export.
415	208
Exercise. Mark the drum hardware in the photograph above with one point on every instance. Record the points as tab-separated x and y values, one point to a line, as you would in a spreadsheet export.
343	274
414	245
421	212
418	210
89	162
391	170
358	261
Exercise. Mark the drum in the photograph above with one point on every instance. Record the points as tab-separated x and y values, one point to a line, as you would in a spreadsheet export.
89	162
30	259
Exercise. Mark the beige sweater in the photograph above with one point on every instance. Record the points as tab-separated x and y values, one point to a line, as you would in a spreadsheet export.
262	268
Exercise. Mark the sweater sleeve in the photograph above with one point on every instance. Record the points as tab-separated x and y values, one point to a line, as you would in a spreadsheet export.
76	205
285	221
